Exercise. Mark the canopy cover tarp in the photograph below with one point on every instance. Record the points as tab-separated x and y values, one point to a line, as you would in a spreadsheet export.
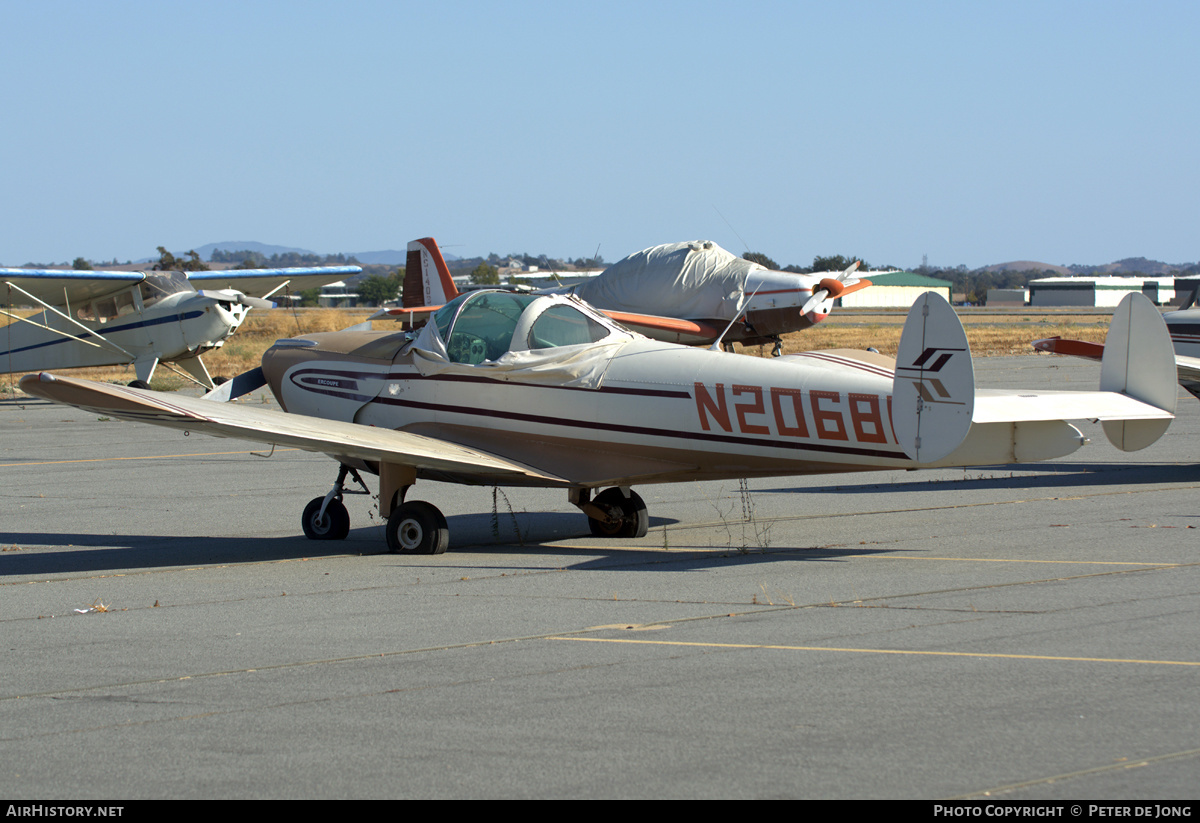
693	281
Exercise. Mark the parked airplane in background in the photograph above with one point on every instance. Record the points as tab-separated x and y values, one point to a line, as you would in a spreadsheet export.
515	389
113	318
1182	325
692	293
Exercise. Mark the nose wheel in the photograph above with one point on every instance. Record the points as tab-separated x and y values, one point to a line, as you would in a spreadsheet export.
326	518
333	524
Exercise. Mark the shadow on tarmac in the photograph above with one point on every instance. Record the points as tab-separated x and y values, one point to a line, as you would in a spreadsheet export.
477	534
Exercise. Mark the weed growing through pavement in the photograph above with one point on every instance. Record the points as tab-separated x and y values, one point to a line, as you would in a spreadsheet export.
496	494
751	528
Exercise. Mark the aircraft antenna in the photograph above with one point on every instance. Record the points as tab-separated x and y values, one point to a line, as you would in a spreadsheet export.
731	228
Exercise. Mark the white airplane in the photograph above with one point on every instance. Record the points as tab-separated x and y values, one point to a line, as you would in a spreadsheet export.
1184	329
513	389
692	293
113	318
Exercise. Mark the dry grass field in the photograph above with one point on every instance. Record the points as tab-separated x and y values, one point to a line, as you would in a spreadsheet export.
989	335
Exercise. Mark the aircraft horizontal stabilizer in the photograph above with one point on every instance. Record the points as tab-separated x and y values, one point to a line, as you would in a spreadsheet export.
277	428
935	404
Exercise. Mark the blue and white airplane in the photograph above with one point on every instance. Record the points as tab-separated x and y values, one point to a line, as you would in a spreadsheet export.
115	318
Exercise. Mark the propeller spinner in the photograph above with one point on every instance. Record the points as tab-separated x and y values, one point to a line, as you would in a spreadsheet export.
830	288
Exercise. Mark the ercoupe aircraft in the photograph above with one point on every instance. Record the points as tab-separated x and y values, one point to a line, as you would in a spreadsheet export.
542	390
1182	325
690	293
114	318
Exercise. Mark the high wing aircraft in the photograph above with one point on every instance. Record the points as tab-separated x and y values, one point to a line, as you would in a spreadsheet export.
542	390
1184	329
112	318
691	293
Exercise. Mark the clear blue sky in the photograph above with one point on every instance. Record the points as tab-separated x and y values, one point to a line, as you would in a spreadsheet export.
975	133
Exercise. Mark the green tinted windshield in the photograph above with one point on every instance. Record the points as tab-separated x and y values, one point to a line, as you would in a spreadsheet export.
482	327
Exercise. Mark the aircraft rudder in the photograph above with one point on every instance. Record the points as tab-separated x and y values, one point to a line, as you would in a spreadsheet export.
933	391
1139	362
427	280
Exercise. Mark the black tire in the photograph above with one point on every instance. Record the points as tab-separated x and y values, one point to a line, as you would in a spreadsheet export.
220	381
335	525
634	522
138	384
417	527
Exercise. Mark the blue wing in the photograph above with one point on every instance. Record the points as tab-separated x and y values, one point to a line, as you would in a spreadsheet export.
261	282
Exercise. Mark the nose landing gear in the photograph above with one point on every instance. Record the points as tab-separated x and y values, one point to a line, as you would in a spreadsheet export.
326	518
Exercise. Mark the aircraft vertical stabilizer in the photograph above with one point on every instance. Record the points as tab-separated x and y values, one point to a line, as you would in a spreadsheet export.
1139	362
427	280
933	392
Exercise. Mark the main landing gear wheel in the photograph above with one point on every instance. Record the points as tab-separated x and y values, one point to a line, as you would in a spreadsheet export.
629	514
417	527
335	525
138	384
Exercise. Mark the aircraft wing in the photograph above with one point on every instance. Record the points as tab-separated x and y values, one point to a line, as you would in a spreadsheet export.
261	282
1074	348
668	329
278	428
1188	368
410	317
58	288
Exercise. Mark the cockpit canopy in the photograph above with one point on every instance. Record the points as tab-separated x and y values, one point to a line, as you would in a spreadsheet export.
547	339
484	325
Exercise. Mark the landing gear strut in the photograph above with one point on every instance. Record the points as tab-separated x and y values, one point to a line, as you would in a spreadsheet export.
616	512
326	518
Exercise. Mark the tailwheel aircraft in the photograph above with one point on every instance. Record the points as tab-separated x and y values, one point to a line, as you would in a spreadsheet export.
695	293
117	318
509	389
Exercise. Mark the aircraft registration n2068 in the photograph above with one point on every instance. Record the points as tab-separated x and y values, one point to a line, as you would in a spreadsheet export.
542	390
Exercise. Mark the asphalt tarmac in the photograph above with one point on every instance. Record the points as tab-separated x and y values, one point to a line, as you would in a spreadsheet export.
1011	633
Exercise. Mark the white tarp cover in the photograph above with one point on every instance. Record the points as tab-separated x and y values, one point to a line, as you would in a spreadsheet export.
692	281
580	366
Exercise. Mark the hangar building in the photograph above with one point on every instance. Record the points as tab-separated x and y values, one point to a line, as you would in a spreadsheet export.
894	289
1098	291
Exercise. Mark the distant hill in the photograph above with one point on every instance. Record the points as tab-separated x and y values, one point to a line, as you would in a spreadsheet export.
1132	265
264	249
1027	265
387	257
